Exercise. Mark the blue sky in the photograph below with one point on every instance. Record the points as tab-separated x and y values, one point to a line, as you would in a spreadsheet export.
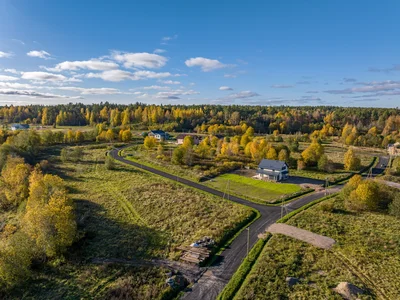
190	52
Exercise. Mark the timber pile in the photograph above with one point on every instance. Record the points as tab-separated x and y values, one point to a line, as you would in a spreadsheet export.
197	252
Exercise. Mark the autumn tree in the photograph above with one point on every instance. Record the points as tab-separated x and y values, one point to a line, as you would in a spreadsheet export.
178	155
149	142
126	135
110	135
79	137
283	155
351	161
312	153
14	182
271	154
49	219
365	197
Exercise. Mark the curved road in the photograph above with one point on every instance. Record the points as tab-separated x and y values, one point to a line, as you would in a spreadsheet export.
217	276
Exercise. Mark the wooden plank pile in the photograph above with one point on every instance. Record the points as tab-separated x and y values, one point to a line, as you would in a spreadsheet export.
197	252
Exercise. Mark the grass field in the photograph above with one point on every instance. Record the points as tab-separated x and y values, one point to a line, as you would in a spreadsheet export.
258	190
366	254
126	214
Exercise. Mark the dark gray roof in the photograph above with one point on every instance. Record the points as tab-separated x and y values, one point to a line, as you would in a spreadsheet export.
158	132
272	164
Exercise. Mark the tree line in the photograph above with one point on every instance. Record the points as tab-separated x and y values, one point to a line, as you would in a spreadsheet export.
264	119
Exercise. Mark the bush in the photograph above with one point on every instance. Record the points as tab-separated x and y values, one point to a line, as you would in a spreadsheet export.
326	206
110	163
394	206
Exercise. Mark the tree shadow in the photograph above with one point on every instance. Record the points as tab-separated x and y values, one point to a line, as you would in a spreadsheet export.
343	212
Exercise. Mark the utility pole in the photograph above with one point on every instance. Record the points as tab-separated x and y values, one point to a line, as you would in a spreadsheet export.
248	239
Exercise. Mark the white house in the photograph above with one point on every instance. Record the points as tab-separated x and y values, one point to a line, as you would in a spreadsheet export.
275	170
394	149
19	127
159	134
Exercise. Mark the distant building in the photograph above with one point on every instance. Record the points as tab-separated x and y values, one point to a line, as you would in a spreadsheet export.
394	149
196	138
275	170
159	135
19	127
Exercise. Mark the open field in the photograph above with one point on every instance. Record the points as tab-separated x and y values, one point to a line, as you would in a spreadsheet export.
366	254
127	214
258	190
137	154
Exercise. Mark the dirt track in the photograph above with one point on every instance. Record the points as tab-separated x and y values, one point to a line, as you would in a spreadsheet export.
217	276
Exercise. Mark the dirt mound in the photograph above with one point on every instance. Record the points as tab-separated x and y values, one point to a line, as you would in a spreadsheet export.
348	291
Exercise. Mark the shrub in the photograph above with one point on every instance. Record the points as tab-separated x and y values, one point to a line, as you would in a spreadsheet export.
394	206
110	163
326	206
365	197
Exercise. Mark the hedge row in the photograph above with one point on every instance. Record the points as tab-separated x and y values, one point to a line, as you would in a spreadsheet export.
240	275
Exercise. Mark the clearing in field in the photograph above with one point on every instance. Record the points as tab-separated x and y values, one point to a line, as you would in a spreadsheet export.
366	254
253	189
126	215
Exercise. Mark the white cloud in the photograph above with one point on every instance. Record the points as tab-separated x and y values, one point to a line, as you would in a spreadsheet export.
33	94
159	51
140	60
174	94
157	87
8	78
15	85
242	95
13	71
18	41
281	86
205	64
151	75
225	88
93	64
369	87
112	75
40	54
230	75
91	91
5	54
120	75
169	38
43	76
170	82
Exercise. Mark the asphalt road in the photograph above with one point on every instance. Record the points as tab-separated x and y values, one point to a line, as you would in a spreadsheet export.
214	280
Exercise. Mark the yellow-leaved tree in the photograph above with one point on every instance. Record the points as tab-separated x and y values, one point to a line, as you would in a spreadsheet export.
49	219
351	161
14	182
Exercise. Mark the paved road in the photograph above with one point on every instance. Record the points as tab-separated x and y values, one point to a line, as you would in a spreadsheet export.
214	280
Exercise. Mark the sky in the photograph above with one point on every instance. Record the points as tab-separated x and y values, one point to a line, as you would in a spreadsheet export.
293	52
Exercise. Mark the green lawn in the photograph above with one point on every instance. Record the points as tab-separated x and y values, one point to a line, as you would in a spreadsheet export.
366	254
254	189
126	214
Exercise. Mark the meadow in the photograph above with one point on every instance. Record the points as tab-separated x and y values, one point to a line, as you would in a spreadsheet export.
366	254
131	215
253	189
